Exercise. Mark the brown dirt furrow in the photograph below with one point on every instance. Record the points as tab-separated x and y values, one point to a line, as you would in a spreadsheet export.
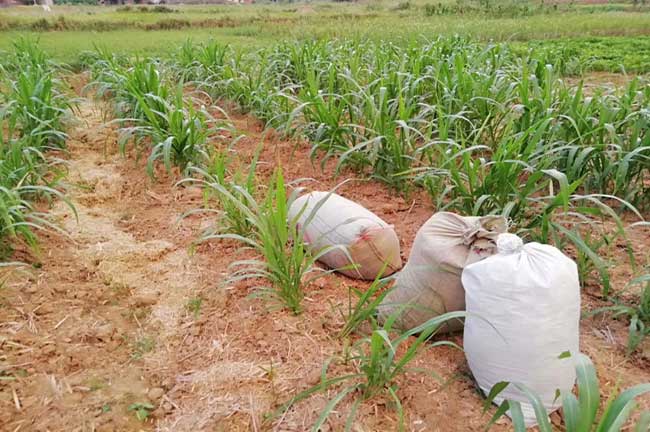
92	314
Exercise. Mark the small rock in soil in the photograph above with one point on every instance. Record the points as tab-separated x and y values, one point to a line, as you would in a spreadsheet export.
155	393
145	299
104	332
48	349
113	345
44	309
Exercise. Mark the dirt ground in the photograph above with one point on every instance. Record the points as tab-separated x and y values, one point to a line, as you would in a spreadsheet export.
125	311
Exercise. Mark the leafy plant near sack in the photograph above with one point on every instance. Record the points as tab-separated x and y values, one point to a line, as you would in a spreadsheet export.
284	262
637	314
580	413
541	202
365	308
378	368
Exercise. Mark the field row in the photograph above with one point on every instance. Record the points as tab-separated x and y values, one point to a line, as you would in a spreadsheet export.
33	112
483	130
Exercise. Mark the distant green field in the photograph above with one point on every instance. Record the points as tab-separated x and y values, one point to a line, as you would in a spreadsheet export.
611	54
603	37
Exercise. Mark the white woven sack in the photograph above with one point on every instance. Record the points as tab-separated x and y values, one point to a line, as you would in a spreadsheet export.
429	285
370	242
523	306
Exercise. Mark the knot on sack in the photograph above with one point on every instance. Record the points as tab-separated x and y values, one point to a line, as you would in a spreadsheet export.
509	243
470	234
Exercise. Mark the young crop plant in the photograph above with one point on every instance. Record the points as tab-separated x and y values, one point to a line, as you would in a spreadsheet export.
22	172
155	112
141	410
285	264
130	85
34	105
187	132
638	314
38	108
378	367
220	170
178	131
365	308
581	414
155	116
14	222
516	181
20	162
31	123
26	54
196	62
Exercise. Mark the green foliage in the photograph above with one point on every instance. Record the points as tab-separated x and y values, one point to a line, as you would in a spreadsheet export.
142	346
610	54
378	367
286	264
155	114
142	410
32	115
194	306
423	107
35	105
493	8
129	87
365	307
637	313
619	30
180	133
581	413
218	170
484	130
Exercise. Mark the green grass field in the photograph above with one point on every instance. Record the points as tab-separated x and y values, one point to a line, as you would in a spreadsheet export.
607	37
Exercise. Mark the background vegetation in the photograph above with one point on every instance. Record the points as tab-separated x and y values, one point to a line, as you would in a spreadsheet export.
604	36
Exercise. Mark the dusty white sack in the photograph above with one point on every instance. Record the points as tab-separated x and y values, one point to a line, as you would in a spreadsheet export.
530	295
368	240
429	285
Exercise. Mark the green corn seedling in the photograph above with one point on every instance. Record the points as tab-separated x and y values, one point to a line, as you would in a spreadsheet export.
580	413
285	264
378	367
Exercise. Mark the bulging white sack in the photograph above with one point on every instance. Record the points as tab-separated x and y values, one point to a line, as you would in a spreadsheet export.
369	241
523	306
429	285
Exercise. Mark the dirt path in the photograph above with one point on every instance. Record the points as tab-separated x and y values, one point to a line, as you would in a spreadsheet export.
78	330
122	313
